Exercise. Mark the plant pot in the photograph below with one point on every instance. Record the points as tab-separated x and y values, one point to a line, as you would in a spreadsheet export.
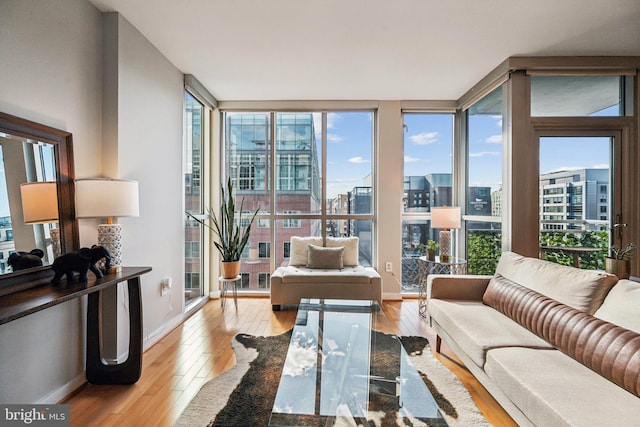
619	267
230	269
431	255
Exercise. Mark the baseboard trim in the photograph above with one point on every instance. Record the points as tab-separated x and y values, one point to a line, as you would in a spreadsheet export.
64	391
392	296
158	334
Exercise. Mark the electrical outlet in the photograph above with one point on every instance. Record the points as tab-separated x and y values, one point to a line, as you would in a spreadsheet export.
388	266
165	286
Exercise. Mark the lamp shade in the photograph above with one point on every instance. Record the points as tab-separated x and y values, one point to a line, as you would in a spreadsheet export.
445	217
102	198
39	202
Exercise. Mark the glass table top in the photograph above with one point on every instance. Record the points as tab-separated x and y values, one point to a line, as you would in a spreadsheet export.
341	367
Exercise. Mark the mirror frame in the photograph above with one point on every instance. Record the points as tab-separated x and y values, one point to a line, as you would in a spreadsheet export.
65	175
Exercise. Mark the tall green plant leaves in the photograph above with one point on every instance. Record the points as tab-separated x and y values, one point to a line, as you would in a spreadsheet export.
231	237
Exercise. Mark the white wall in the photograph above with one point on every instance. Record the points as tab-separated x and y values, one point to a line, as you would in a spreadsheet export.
149	150
52	73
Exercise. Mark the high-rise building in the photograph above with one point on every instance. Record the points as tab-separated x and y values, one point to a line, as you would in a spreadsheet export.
574	199
496	202
297	181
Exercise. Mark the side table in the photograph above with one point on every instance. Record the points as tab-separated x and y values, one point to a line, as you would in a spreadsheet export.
426	267
225	283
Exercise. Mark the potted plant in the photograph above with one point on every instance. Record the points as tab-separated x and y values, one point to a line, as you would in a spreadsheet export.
432	245
619	262
231	237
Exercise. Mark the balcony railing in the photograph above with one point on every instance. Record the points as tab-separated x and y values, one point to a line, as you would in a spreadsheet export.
484	248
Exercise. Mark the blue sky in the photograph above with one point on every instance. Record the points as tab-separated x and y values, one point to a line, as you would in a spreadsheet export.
349	149
427	149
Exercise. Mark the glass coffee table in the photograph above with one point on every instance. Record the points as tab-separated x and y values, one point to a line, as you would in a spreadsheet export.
344	366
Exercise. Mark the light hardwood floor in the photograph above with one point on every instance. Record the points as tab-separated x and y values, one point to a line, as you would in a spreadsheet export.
175	368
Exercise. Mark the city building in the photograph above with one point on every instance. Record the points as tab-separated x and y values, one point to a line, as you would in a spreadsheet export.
496	202
574	199
297	185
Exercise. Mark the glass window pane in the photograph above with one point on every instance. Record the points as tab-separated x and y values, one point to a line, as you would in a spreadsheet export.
576	96
415	234
263	281
484	246
574	199
298	155
349	159
247	157
193	233
484	134
428	162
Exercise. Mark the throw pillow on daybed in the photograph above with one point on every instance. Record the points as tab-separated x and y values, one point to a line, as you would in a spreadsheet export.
298	251
350	245
320	257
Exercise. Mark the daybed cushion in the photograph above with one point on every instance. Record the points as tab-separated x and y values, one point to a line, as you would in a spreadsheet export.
477	328
583	290
320	257
298	250
622	305
553	390
297	274
350	245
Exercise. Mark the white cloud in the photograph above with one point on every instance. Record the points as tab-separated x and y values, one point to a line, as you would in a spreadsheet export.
332	118
424	138
358	160
601	166
334	138
484	153
409	159
494	139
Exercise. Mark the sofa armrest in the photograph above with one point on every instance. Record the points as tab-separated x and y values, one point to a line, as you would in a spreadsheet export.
456	287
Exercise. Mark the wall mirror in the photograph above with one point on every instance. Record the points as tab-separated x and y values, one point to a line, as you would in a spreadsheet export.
32	154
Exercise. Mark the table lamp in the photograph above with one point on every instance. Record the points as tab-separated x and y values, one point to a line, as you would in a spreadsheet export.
40	206
108	198
446	218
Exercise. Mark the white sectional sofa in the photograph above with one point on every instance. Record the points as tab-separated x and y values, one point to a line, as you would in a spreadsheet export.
317	270
554	345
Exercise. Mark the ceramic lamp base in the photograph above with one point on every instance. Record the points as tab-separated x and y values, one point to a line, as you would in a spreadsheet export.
445	245
110	236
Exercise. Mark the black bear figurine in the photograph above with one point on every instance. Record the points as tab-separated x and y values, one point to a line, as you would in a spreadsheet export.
81	261
21	260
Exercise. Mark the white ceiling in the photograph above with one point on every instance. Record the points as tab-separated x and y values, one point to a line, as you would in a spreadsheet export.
370	49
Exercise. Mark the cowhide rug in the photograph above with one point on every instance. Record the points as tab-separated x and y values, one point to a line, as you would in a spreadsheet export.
244	395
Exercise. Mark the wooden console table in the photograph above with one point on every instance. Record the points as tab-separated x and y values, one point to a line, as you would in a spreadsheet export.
22	303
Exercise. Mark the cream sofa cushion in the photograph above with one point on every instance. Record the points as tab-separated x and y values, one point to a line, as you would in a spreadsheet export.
350	245
583	290
622	305
299	249
477	328
552	389
306	275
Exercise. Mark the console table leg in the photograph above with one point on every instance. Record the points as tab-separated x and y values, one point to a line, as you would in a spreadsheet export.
127	372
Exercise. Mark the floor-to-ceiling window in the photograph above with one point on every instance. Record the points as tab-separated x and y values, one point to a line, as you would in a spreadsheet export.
315	180
194	237
428	182
579	123
483	193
